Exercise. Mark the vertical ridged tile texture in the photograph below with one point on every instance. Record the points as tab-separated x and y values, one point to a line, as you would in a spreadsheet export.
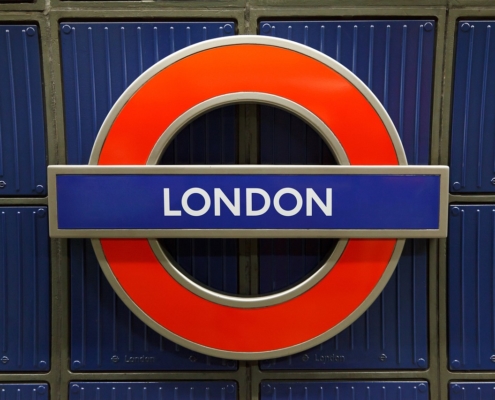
118	53
22	122
212	262
471	390
107	336
24	391
340	390
286	139
283	262
472	148
183	390
209	139
391	334
24	289
99	61
395	60
471	280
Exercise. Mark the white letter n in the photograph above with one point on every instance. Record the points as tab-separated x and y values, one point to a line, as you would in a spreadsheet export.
235	208
312	196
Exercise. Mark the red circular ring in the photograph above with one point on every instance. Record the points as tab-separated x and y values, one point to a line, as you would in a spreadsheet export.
197	78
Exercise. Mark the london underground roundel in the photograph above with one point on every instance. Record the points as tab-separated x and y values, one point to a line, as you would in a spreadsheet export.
372	201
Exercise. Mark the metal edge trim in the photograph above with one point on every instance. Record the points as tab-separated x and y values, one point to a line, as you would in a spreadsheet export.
249	233
246	169
52	201
444	202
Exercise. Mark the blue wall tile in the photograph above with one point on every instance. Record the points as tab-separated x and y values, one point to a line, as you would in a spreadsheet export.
335	390
391	334
395	60
471	284
472	153
106	335
24	289
99	61
24	391
183	390
22	122
471	390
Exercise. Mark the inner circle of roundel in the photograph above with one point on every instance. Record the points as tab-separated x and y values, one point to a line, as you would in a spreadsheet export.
175	312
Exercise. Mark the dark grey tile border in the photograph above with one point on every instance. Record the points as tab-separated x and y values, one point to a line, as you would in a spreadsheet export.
38	5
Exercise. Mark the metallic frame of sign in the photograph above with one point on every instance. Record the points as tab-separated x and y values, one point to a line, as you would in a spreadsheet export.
441	171
328	137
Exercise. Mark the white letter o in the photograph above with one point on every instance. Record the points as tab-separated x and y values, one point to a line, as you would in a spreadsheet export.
278	207
189	210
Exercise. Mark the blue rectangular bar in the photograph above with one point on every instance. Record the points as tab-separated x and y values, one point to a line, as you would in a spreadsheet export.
342	202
